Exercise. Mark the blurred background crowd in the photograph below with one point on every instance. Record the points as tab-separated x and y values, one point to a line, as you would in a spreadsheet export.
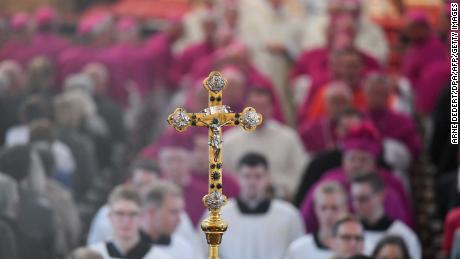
356	103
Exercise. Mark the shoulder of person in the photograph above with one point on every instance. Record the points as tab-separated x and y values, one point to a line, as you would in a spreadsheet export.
401	227
283	129
181	242
284	206
157	253
99	247
301	243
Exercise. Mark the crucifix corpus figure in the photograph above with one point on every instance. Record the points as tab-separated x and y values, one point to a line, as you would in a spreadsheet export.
215	116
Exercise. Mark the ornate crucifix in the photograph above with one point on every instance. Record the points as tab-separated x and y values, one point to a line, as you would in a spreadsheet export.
215	117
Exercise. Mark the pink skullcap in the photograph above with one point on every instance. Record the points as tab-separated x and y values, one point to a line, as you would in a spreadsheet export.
93	22
417	16
364	137
19	21
45	15
126	24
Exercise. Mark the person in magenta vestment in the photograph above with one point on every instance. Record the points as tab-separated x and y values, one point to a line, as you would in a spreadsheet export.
391	124
159	51
127	58
235	54
201	160
319	64
346	66
187	59
45	40
175	162
434	77
19	47
320	134
425	48
95	34
361	147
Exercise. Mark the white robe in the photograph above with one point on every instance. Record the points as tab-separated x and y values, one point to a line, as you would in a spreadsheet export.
306	248
271	26
101	229
281	146
370	37
154	252
259	236
400	229
178	248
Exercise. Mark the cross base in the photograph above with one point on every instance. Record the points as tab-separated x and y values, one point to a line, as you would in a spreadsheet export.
214	228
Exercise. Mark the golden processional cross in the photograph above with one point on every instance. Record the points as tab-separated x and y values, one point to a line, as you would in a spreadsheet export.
215	117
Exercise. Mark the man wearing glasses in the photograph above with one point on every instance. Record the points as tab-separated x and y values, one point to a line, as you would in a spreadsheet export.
348	238
125	207
367	194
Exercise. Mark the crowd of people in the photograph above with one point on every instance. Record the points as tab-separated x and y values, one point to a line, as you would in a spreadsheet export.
89	168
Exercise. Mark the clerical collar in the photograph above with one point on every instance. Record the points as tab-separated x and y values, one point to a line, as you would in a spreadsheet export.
164	240
382	224
318	242
261	208
137	252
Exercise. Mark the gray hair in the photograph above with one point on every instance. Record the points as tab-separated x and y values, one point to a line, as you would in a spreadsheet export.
79	81
330	187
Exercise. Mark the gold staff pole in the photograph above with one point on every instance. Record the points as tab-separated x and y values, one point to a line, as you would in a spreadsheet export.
215	116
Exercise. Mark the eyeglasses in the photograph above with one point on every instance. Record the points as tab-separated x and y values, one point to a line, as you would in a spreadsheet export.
125	214
348	238
362	198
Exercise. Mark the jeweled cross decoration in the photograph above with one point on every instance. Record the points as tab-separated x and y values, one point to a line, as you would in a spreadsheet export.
215	116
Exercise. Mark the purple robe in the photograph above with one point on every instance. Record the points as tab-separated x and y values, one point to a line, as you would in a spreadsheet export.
72	60
19	51
419	56
397	126
254	78
318	135
50	45
158	50
191	55
434	77
396	201
126	62
316	64
193	194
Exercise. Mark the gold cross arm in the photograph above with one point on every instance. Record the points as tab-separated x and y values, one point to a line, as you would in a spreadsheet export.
215	116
